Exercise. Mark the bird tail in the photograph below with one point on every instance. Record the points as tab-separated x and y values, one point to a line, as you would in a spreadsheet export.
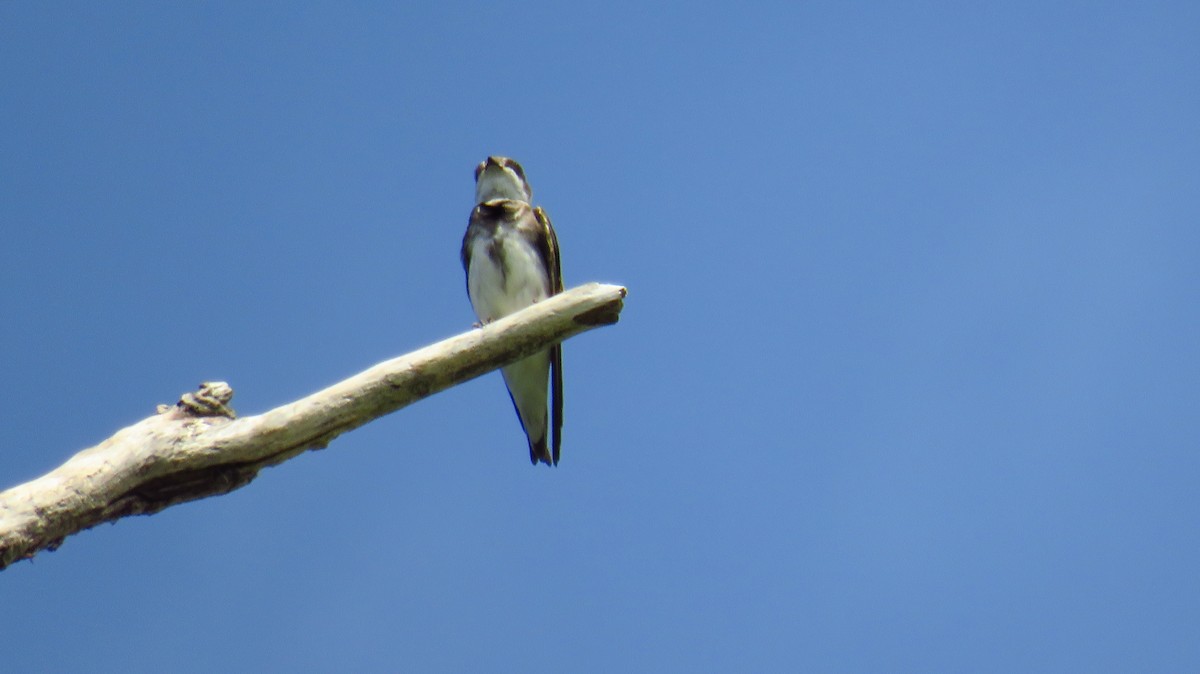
539	451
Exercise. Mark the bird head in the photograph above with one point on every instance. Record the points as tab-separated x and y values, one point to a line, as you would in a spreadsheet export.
501	178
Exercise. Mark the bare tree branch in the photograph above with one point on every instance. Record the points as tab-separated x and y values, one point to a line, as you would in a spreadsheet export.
196	448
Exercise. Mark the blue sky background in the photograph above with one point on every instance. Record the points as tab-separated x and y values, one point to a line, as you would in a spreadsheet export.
906	379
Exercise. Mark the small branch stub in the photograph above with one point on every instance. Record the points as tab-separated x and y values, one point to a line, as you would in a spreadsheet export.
212	400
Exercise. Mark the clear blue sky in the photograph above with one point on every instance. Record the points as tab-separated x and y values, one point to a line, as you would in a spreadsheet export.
907	378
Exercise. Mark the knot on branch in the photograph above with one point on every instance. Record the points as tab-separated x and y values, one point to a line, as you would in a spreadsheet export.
212	400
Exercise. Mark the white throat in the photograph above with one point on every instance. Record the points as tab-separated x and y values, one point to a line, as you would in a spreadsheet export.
497	182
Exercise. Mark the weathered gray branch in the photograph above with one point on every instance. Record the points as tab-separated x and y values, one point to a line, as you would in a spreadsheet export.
196	449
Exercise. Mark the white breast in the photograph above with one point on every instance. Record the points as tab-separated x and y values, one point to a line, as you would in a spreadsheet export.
496	293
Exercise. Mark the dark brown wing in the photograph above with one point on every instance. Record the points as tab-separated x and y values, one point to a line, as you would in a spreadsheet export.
468	237
549	249
553	262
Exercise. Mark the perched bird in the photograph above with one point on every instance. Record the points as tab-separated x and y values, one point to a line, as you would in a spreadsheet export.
510	255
